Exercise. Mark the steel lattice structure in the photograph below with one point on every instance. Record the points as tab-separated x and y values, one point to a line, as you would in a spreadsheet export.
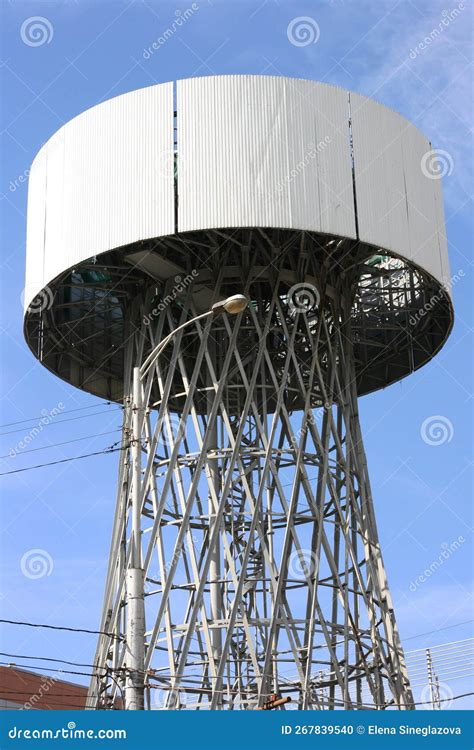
262	567
245	561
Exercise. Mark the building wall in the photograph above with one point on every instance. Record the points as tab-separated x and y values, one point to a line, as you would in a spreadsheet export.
23	690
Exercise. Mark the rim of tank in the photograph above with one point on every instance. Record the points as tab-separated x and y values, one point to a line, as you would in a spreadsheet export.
114	391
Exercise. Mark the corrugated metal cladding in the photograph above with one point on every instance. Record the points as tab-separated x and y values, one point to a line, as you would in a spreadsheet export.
399	208
263	151
102	181
252	151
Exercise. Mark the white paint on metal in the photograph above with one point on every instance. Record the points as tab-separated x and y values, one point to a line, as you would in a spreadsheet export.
398	206
441	234
34	276
252	151
263	151
103	181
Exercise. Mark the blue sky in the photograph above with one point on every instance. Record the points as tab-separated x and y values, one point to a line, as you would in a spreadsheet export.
93	51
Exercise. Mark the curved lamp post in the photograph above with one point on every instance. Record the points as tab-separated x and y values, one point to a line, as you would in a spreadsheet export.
134	692
232	305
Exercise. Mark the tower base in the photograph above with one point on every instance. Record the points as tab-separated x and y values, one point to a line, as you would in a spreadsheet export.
244	500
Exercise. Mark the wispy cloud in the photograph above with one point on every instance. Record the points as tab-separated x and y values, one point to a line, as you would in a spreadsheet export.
418	61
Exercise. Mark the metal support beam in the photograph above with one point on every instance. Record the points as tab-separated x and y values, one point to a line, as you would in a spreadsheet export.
245	524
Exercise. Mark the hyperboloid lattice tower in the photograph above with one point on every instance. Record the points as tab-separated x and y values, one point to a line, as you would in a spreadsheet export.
245	561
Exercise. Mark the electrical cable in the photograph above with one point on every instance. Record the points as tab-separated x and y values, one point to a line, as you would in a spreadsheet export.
440	667
49	658
65	442
66	411
445	655
60	627
62	421
71	706
52	669
430	632
449	644
325	700
111	449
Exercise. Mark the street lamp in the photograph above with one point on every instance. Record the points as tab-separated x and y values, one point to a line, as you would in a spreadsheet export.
232	305
134	692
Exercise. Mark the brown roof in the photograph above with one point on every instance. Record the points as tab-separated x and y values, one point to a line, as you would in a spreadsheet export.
37	691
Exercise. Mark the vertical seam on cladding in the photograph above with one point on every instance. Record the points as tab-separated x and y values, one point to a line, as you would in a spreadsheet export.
285	102
175	157
352	158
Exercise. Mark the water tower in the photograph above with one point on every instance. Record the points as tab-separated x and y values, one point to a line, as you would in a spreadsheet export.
244	561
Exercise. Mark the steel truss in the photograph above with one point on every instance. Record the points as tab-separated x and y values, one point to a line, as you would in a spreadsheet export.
245	559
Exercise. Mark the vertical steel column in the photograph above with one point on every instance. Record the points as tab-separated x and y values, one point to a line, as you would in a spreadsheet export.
215	586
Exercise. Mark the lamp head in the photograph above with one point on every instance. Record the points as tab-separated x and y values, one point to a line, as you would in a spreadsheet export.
232	305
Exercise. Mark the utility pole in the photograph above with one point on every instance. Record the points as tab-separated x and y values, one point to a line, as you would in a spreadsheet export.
433	682
135	595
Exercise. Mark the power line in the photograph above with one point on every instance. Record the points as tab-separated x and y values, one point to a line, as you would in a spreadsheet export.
443	662
65	442
443	700
60	627
328	700
48	702
52	669
113	635
94	705
66	411
438	630
183	688
62	421
49	658
451	645
111	449
448	680
46	697
52	695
